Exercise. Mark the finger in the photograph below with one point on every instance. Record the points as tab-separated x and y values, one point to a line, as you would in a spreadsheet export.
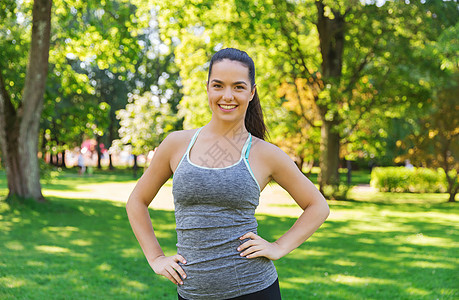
255	254
247	244
251	250
179	258
249	235
174	275
179	270
169	276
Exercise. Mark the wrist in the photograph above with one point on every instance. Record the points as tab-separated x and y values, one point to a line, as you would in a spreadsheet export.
282	250
153	258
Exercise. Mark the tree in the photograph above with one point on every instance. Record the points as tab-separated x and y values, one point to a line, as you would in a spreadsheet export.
106	52
145	122
19	124
335	49
433	141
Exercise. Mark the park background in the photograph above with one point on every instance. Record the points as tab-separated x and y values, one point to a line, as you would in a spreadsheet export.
354	91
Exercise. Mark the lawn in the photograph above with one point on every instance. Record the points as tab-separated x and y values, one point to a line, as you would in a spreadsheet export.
376	246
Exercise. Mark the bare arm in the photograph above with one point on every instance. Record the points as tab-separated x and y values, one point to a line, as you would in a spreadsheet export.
145	190
284	171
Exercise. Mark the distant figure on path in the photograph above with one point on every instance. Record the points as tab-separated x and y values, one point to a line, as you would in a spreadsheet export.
408	164
219	172
81	163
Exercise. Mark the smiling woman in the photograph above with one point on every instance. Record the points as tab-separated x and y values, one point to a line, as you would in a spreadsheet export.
219	171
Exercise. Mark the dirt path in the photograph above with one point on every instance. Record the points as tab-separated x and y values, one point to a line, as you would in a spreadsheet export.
274	200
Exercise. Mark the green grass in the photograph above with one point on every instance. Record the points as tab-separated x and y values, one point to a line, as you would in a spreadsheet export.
376	246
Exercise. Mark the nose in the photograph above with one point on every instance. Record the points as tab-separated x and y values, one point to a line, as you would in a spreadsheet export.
228	94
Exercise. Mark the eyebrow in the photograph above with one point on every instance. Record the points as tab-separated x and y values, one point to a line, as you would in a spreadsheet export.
234	83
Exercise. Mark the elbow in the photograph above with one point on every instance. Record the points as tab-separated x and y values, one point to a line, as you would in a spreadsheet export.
134	204
325	211
129	204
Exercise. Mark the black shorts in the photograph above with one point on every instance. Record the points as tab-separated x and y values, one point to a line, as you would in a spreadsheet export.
272	292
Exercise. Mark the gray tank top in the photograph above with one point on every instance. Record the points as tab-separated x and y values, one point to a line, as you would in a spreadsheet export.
214	207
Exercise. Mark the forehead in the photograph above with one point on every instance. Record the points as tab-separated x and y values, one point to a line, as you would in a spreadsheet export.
229	70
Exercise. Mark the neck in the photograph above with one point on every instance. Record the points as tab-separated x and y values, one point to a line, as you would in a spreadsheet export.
228	129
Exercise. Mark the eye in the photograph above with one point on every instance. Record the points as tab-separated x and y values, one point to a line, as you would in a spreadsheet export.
240	87
217	85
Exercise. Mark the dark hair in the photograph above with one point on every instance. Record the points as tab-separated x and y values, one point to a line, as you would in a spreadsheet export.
254	122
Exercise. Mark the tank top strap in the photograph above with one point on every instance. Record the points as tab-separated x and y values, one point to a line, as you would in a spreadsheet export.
193	140
246	149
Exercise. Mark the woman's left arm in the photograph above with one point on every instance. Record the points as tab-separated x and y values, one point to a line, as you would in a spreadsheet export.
284	171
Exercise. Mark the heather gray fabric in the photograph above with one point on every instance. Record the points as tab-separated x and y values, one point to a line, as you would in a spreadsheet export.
214	207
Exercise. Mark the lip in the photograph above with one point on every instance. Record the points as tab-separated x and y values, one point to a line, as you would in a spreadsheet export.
227	110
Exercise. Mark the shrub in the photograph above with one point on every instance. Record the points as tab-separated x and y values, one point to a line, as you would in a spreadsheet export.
414	180
338	192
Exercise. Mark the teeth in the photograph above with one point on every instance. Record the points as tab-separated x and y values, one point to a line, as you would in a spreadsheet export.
227	106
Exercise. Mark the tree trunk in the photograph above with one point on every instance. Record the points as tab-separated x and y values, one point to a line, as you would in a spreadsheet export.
99	152
61	159
452	196
111	136
135	167
329	156
331	36
452	187
110	162
19	129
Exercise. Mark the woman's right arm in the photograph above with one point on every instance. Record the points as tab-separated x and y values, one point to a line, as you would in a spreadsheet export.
145	190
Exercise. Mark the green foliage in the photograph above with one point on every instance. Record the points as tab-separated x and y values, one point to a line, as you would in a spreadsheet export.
388	51
15	34
145	122
47	171
414	180
101	53
336	192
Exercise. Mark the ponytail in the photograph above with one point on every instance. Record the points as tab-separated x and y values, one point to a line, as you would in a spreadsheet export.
254	122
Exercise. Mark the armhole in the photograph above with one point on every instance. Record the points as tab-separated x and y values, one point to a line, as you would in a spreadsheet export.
246	159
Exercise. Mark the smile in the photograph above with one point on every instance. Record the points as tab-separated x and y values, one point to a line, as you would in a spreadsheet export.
227	107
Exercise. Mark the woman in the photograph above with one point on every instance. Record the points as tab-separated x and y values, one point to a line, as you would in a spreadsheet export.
219	171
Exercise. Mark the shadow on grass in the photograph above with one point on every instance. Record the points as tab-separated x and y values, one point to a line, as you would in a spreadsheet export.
85	249
385	257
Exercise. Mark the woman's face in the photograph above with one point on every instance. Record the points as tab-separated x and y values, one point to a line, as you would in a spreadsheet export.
229	90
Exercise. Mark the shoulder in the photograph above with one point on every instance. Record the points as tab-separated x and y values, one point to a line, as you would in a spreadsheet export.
178	138
265	148
180	135
270	154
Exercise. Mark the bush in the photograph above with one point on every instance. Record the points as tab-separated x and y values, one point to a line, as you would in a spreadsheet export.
47	171
414	180
335	192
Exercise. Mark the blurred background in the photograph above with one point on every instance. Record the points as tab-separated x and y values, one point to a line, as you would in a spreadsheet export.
362	95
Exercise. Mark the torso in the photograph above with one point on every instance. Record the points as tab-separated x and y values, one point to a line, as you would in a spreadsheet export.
214	207
198	154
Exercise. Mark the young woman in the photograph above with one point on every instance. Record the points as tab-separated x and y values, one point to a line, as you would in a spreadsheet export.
219	171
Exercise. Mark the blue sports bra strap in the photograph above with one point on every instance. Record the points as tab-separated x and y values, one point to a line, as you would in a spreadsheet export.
247	146
195	136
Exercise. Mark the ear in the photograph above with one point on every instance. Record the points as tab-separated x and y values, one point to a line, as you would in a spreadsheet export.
253	92
207	86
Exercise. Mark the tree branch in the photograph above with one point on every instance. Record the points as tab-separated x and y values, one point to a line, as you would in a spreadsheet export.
286	32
